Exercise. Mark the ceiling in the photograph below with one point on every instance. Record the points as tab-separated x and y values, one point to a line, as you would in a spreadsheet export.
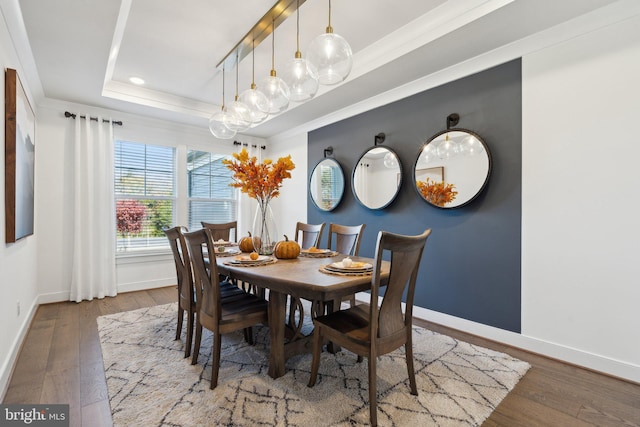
85	51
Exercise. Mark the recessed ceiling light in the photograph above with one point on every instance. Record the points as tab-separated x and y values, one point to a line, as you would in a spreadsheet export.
136	80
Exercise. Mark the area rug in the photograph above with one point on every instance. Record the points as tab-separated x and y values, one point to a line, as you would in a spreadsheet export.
150	382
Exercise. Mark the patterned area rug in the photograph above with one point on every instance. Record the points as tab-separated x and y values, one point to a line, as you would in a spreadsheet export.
151	384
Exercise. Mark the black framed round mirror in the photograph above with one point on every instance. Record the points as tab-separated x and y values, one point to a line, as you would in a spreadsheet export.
452	168
377	177
326	184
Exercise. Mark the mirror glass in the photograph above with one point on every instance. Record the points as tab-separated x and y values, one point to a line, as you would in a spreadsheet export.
377	177
326	184
452	168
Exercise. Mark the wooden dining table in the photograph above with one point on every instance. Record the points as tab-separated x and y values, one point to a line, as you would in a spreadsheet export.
298	278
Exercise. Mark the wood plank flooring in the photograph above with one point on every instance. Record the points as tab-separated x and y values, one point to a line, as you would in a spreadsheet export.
61	362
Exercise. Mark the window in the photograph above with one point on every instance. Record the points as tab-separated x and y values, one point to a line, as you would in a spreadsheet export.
145	195
331	189
211	199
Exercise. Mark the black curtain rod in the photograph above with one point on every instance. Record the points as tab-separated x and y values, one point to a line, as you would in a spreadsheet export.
95	119
264	147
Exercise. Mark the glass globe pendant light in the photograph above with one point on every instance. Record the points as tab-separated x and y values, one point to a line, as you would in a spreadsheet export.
300	75
273	87
239	110
219	122
254	99
331	55
447	149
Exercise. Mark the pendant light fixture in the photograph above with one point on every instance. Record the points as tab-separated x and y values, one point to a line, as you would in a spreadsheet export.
273	87
253	98
219	122
331	56
239	110
300	75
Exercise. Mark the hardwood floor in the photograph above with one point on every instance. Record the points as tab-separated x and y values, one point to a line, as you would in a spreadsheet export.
61	362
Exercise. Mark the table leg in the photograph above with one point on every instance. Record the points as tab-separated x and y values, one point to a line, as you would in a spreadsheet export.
277	315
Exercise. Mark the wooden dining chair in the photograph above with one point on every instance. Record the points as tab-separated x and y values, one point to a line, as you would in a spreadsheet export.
308	235
373	330
186	288
222	231
219	315
186	291
347	238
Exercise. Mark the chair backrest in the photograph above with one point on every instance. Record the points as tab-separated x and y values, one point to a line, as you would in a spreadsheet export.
347	238
222	231
208	300
388	320
311	234
183	264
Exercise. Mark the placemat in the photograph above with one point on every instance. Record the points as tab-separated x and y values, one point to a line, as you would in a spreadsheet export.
318	254
251	264
322	269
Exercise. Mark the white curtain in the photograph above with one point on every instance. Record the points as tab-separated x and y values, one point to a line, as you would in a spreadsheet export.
94	267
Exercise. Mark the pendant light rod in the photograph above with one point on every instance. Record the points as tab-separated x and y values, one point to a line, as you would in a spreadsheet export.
278	13
329	27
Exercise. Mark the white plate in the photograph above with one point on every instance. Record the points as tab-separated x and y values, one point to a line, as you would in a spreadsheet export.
355	266
244	259
317	251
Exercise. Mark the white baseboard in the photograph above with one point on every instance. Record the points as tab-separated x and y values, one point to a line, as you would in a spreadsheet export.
10	362
146	284
616	368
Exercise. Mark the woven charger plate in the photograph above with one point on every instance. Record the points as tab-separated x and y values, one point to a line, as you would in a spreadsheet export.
346	273
251	264
318	254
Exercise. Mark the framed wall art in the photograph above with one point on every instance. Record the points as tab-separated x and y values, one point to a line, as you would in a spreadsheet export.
19	155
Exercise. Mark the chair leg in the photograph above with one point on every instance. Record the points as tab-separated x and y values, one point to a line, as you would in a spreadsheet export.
187	347
196	344
412	375
215	363
248	335
373	395
352	301
180	317
315	363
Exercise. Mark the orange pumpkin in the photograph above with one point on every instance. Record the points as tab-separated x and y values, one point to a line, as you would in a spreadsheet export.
246	243
286	249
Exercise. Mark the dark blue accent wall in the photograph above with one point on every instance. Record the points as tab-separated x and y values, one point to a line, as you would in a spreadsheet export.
471	266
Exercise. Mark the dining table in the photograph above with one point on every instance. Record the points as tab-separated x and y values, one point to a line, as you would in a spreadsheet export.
298	278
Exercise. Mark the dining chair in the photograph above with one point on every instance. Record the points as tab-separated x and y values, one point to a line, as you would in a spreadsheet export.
222	231
186	288
186	291
373	330
308	235
218	314
347	238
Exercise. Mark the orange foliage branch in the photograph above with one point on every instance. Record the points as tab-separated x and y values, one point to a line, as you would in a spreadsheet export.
437	193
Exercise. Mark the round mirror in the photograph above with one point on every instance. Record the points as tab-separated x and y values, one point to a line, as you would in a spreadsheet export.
326	184
452	168
377	177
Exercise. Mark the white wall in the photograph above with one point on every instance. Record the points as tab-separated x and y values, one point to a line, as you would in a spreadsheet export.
18	261
291	206
581	276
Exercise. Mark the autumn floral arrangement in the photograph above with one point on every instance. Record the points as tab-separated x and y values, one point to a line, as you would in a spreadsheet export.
260	181
437	193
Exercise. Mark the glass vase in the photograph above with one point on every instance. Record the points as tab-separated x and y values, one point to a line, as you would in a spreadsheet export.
264	233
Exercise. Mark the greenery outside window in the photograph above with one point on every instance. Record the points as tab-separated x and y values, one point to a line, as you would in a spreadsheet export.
145	195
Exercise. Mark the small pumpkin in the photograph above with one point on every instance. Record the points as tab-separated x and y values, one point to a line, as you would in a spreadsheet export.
286	249
246	243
